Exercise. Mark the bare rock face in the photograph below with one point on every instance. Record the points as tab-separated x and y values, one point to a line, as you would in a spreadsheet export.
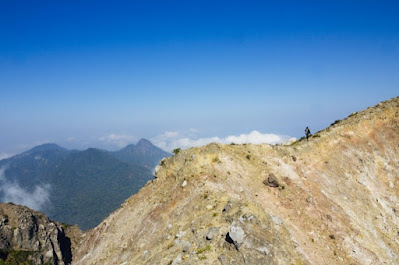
336	202
271	181
33	234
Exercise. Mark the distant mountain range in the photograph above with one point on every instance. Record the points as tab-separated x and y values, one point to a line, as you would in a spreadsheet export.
144	153
83	187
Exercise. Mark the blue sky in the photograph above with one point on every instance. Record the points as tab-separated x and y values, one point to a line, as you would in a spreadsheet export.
107	73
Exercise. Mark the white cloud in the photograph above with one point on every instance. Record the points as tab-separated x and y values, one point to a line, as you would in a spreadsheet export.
5	155
171	140
13	192
120	140
170	134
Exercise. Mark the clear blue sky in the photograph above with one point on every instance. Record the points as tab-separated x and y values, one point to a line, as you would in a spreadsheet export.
82	70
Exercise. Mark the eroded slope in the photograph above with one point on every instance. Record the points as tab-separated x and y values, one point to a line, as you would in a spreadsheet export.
336	203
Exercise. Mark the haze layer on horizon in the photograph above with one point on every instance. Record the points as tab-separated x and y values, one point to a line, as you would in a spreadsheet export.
102	73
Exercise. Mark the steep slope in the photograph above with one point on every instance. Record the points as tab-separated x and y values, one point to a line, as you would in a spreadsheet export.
332	200
29	237
144	153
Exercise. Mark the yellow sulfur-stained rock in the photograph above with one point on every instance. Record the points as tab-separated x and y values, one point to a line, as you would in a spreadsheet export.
336	202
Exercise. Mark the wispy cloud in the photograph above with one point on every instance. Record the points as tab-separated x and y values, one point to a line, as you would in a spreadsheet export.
171	140
11	191
5	155
120	140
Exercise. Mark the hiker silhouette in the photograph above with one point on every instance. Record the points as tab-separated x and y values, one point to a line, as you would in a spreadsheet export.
307	133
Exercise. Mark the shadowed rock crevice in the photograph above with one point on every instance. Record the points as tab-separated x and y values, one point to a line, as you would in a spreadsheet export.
65	247
229	240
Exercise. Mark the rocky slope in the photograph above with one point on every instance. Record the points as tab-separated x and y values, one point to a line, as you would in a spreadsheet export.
29	236
332	200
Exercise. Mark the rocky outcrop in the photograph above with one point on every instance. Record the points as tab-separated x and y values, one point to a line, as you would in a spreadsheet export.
42	241
331	200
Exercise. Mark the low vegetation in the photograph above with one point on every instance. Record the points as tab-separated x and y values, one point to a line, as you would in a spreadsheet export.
15	257
176	151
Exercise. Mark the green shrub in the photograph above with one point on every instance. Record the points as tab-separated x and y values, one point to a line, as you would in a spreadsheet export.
353	114
176	151
206	248
335	122
16	257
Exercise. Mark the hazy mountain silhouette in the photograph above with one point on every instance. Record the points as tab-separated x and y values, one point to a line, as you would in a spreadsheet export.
84	186
144	153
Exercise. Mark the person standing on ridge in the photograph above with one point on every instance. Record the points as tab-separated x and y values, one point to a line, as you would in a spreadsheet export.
307	133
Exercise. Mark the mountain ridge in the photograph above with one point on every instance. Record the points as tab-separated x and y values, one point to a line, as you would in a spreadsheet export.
77	187
46	147
142	153
331	200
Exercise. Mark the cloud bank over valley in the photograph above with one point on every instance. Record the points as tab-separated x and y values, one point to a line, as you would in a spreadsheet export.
4	156
171	140
11	191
